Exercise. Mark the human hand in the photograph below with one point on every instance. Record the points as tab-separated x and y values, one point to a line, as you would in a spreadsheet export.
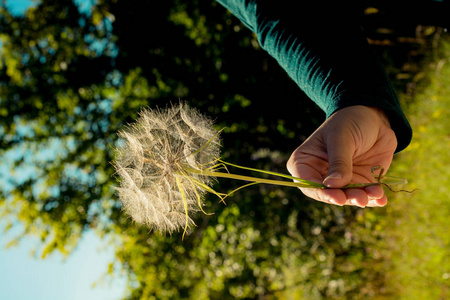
343	150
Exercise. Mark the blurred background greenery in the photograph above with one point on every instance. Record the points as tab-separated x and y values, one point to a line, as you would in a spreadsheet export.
70	78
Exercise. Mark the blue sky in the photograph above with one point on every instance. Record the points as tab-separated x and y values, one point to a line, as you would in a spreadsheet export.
18	6
23	277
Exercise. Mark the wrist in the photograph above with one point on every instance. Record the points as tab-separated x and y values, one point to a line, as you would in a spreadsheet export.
381	114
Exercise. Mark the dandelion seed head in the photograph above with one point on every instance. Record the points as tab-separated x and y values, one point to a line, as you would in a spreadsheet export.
152	164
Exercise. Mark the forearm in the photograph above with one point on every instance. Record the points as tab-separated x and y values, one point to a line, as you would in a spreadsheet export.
323	50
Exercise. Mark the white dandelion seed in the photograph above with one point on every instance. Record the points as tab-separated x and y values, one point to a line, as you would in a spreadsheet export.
155	188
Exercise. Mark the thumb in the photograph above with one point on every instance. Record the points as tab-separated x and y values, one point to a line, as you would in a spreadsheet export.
340	163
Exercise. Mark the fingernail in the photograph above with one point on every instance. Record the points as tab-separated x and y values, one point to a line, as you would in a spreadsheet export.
334	176
331	176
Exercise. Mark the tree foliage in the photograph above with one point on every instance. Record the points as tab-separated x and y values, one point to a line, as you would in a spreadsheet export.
70	78
420	242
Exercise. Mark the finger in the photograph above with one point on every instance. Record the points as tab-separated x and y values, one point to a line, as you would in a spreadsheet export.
340	162
308	172
314	194
381	201
372	203
375	191
378	202
330	196
357	197
306	166
334	196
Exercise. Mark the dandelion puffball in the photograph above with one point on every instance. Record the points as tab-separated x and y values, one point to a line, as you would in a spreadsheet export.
158	166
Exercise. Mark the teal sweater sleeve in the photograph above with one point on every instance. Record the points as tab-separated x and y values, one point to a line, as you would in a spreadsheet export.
322	48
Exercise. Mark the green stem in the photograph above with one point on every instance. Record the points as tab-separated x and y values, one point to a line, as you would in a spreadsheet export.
252	179
360	185
382	180
312	183
298	184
